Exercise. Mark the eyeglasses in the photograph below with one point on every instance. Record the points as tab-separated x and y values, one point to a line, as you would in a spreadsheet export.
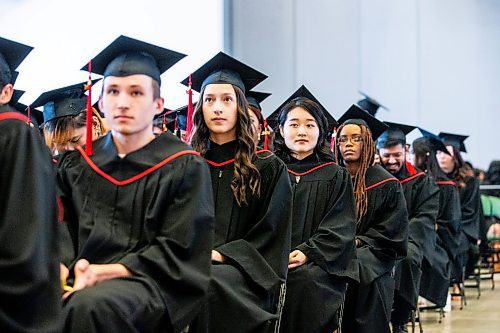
353	139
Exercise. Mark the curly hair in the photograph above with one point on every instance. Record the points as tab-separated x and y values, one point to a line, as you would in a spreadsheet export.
322	148
366	160
246	175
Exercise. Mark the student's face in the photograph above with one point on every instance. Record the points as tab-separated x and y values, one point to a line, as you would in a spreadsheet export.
351	143
301	132
446	162
128	104
220	109
393	158
77	138
255	125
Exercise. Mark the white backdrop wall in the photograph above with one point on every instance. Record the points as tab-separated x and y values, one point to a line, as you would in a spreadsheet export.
433	63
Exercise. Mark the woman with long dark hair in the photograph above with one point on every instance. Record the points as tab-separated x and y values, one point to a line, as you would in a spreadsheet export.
455	168
252	196
323	220
381	224
436	275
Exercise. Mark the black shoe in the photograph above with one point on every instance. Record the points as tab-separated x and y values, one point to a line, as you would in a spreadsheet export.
400	329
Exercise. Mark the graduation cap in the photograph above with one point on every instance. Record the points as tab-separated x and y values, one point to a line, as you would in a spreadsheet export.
127	56
395	133
14	74
369	104
12	55
301	92
61	102
34	115
223	68
434	140
455	140
254	98
357	116
180	115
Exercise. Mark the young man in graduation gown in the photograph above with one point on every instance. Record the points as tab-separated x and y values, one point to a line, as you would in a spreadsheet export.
422	203
29	283
381	228
138	208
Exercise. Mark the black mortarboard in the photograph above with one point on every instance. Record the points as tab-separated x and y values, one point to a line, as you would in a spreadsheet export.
66	101
369	104
16	96
181	115
127	56
434	140
35	116
395	133
14	75
357	116
254	98
223	68
455	140
11	55
301	92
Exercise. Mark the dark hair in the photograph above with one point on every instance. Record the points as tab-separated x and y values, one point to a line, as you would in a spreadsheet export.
5	73
246	175
322	148
366	160
460	169
426	160
390	143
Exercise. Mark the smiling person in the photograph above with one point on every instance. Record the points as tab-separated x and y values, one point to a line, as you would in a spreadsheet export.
139	210
470	201
323	219
381	226
64	116
252	203
422	203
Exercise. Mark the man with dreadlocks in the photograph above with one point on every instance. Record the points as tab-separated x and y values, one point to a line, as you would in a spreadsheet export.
422	203
382	224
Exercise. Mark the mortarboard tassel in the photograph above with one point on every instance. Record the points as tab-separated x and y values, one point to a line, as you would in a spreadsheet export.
266	134
332	139
88	87
190	110
29	114
164	123
176	126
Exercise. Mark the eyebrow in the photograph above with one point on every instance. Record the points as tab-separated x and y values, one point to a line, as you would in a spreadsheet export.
297	119
223	94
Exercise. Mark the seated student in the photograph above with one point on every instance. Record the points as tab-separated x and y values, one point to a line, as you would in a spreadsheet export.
138	208
422	204
436	272
65	117
323	219
381	228
252	196
29	283
454	166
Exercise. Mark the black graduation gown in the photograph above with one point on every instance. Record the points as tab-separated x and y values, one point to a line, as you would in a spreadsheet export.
470	201
436	272
151	211
323	228
383	233
422	204
29	267
254	239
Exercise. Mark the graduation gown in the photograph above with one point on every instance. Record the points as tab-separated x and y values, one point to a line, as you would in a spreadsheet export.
254	238
29	267
383	233
470	201
323	228
151	211
422	204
